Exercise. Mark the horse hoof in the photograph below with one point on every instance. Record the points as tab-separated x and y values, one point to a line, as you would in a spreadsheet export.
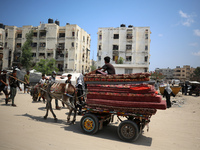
55	119
73	122
45	117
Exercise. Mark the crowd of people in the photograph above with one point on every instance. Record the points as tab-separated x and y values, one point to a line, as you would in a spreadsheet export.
14	83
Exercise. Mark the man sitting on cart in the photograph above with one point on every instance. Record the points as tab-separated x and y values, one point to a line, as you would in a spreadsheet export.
107	67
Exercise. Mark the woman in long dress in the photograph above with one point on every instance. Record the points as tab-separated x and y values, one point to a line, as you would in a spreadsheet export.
167	93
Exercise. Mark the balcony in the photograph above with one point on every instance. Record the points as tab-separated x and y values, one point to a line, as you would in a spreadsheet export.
60	57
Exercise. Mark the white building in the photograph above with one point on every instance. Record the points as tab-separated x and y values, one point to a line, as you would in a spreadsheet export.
69	45
130	43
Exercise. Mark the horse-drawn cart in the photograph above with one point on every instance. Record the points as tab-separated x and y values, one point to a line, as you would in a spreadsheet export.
132	97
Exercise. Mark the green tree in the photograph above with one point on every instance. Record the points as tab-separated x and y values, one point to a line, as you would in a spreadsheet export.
46	66
93	67
26	57
196	74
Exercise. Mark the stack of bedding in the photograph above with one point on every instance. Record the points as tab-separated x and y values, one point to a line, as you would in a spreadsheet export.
105	92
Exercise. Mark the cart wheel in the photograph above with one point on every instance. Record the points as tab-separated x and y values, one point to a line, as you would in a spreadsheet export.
89	124
128	131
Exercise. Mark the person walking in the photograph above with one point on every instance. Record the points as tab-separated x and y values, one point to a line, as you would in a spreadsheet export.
42	82
167	93
27	81
80	94
52	79
4	85
14	83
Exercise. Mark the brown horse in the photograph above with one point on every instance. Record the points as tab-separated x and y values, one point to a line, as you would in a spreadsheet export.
64	92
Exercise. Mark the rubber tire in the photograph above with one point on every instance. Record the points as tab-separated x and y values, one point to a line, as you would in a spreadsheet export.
130	125
94	120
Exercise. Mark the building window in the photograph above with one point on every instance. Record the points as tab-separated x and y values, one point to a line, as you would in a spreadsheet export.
66	55
48	54
146	36
100	37
33	54
6	35
99	47
83	38
65	65
42	33
19	45
83	57
6	44
129	36
41	54
72	44
128	58
128	47
61	46
115	47
116	36
99	58
19	35
146	47
42	44
145	58
61	35
145	69
73	34
34	44
35	34
128	71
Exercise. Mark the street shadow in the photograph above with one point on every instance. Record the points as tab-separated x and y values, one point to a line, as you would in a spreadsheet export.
42	108
110	132
41	119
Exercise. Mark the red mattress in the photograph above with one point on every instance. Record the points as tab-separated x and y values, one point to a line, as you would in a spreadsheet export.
156	99
130	104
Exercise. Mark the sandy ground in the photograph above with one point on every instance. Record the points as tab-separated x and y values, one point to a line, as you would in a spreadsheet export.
23	128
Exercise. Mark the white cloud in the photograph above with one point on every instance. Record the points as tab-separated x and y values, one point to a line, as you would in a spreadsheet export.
197	32
184	15
193	44
187	19
196	54
160	35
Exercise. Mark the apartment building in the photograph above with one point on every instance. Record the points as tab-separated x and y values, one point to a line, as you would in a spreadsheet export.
69	45
2	33
183	73
128	47
167	72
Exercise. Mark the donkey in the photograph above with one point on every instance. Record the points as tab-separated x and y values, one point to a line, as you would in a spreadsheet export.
66	92
34	91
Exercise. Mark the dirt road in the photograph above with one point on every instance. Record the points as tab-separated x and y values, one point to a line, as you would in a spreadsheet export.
23	128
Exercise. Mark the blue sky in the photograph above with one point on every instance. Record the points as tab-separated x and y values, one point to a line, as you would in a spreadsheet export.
175	24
